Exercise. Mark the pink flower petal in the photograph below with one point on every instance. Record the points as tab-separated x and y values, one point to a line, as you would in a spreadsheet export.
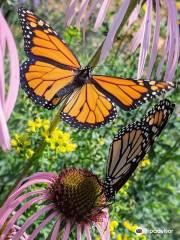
88	15
71	12
25	236
145	39
67	231
39	175
31	220
82	12
4	133
135	42
22	188
134	14
6	210
7	104
113	29
87	232
14	218
164	55
14	70
56	229
153	55
2	80
174	39
103	227
42	224
78	232
101	15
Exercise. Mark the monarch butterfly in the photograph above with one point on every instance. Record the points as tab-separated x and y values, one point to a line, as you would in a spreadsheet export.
52	75
132	143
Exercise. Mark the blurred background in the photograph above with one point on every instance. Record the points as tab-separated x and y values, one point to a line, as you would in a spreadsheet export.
150	198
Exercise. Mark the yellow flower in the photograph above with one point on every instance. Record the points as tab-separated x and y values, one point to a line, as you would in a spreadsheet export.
112	234
29	153
141	237
18	150
98	238
71	147
59	141
145	162
66	137
101	141
14	142
19	141
52	145
38	122
26	142
178	5
31	126
46	124
144	7
113	225
48	138
61	149
129	226
17	136
119	237
125	237
123	190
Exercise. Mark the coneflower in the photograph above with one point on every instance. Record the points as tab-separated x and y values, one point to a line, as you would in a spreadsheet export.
75	197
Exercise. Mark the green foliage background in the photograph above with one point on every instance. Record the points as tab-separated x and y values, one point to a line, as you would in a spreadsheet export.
151	199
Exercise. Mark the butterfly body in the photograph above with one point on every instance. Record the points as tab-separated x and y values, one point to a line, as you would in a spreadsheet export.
131	144
53	73
83	76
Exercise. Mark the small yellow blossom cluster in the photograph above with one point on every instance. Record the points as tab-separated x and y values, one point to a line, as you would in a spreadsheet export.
145	162
20	142
58	141
38	123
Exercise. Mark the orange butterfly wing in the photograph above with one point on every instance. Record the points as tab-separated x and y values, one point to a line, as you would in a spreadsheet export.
48	74
88	108
42	41
45	83
129	93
